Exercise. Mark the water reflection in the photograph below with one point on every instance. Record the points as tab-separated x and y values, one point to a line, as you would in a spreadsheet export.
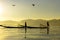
32	34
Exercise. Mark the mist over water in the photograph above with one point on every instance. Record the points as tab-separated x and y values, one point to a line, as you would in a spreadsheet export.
36	13
32	34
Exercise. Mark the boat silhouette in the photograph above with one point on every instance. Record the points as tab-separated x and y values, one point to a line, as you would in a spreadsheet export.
25	27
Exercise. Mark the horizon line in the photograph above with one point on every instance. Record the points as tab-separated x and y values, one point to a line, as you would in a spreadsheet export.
27	19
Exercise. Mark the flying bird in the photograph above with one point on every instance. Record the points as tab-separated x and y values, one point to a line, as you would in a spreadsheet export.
33	4
13	5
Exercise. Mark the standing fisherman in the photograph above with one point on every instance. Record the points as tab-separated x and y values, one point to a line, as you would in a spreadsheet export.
25	29
47	27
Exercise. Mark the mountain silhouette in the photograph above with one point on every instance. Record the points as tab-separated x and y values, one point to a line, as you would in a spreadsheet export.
34	23
9	23
31	22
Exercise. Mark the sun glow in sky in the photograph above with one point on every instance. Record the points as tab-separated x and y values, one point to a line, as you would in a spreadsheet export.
23	9
1	10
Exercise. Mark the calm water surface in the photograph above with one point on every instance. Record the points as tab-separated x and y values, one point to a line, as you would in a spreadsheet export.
32	34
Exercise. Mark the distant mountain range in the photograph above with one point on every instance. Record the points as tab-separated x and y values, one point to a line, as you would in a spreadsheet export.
40	22
31	22
9	23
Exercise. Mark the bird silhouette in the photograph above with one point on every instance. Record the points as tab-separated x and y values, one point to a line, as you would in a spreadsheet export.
13	5
33	4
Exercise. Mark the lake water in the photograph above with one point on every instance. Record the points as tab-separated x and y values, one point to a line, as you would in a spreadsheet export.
32	34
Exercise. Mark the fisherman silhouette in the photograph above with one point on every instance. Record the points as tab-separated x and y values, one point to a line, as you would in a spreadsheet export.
47	27
47	23
25	29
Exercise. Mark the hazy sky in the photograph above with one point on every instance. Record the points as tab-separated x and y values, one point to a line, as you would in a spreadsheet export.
43	9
